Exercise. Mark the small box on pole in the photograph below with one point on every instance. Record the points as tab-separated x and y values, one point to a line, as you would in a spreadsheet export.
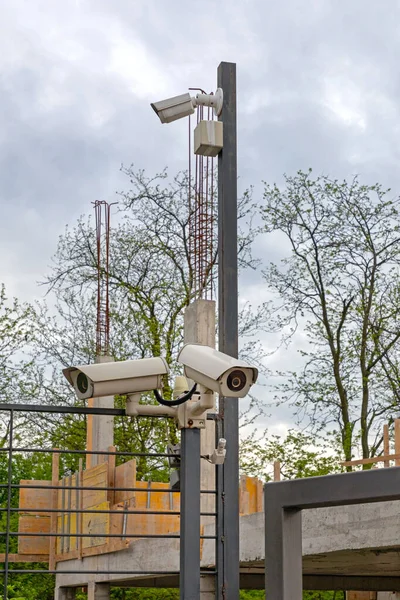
208	138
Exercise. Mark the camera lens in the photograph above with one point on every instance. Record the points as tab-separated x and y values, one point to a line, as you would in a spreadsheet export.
236	381
82	383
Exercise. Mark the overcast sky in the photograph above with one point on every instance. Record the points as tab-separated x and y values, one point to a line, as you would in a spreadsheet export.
318	86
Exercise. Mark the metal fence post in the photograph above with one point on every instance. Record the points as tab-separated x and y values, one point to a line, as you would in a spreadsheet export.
228	326
190	515
9	493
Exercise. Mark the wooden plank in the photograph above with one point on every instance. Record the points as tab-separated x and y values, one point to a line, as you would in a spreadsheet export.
79	517
72	555
244	496
111	475
106	548
70	528
33	544
55	475
277	470
369	461
95	525
259	496
158	501
386	448
397	440
89	435
35	498
25	558
125	477
95	477
361	595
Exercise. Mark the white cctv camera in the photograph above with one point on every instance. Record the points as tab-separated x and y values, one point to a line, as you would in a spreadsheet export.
174	108
182	106
110	379
217	371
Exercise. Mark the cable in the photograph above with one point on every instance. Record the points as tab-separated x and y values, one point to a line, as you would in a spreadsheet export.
176	402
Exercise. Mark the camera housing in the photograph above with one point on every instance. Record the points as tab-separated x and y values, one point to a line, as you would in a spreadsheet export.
216	371
110	379
178	107
174	108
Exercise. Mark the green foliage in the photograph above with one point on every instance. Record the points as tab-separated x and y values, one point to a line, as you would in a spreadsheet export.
300	455
145	594
340	285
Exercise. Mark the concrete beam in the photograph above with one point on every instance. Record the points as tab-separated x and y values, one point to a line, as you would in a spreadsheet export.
256	581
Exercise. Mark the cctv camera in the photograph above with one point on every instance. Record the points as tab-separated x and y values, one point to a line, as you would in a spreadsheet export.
182	106
109	379
217	371
174	108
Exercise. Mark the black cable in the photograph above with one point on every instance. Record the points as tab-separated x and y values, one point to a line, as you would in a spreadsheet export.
176	402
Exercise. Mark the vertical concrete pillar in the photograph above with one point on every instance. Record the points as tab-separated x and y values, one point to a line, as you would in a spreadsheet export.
199	327
388	596
100	428
65	593
98	591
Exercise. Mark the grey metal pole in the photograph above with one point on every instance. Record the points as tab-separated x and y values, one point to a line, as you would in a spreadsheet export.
283	549
228	325
189	584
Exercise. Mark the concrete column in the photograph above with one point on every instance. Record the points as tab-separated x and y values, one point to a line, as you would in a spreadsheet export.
388	596
199	327
98	591
100	428
65	593
207	587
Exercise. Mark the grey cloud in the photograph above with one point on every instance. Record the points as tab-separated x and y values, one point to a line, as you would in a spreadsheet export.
317	86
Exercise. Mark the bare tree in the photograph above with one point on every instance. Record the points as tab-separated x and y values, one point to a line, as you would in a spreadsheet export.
340	283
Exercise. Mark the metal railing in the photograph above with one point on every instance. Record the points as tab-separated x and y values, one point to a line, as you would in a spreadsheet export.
61	530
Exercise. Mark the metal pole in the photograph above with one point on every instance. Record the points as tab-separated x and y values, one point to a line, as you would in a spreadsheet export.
228	325
219	521
283	549
190	515
9	491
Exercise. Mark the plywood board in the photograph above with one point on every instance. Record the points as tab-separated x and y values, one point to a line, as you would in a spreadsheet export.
70	540
95	477
95	525
251	495
125	477
33	544
158	501
55	474
30	498
67	482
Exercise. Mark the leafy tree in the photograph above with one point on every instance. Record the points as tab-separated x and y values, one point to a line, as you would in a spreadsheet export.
16	332
151	277
340	285
300	455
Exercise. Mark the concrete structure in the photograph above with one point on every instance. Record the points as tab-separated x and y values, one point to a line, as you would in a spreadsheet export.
199	328
350	547
100	428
